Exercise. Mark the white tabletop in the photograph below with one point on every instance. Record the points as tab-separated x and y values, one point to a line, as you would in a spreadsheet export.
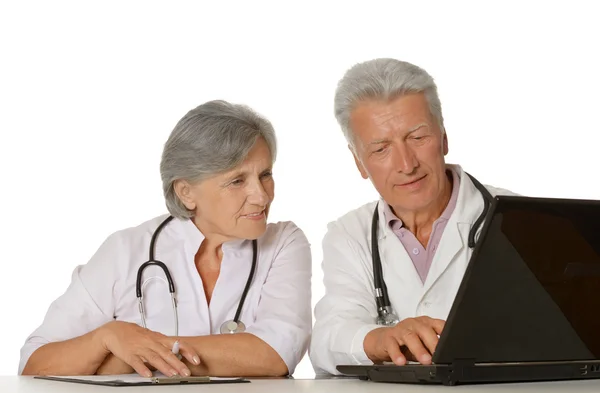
15	384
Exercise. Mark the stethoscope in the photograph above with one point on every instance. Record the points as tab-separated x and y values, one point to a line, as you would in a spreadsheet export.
385	313
228	327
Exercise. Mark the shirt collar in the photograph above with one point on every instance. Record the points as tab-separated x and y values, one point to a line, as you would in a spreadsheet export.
194	238
191	234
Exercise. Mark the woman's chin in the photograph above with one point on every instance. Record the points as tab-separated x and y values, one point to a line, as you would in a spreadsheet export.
254	230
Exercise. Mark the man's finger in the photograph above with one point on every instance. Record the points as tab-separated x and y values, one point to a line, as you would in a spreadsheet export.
414	345
438	325
428	337
392	347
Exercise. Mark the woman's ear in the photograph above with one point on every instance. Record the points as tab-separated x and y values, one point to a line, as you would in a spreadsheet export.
183	190
445	143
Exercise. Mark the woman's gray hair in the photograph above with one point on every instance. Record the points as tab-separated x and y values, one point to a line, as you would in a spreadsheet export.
213	138
382	79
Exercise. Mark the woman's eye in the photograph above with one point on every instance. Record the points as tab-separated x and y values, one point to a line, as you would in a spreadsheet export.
267	174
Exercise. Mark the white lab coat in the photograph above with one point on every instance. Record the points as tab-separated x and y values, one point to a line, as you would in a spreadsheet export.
277	308
347	312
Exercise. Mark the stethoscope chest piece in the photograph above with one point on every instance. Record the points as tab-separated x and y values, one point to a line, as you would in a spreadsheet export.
231	327
387	317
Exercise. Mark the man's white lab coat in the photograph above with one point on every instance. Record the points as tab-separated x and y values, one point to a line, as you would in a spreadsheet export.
347	312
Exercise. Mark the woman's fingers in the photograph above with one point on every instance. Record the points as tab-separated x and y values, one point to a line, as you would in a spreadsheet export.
188	352
138	365
150	350
171	359
159	362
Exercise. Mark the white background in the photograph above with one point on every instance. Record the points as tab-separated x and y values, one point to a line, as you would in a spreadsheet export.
89	92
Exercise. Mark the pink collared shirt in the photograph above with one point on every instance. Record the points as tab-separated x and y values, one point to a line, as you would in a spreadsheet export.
422	256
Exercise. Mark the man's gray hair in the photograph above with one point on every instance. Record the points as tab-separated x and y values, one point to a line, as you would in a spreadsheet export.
382	79
213	138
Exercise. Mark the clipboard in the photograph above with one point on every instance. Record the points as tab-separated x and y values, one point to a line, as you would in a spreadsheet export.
136	380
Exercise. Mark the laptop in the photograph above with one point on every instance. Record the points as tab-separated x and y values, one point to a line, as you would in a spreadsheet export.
528	307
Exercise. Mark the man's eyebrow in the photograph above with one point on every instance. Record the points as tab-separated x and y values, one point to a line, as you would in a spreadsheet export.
379	141
415	128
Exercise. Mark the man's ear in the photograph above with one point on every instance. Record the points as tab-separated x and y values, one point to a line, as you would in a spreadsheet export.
184	193
359	165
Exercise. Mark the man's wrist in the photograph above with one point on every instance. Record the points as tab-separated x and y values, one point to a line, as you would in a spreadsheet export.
370	344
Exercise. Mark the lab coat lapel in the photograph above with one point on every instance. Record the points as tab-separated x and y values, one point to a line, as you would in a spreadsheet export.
450	245
455	237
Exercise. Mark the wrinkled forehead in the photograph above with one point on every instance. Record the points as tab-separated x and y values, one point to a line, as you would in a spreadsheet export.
378	119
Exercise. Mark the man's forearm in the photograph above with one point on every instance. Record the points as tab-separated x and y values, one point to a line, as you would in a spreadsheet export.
231	355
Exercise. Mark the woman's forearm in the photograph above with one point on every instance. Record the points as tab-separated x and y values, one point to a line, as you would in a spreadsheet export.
233	355
78	356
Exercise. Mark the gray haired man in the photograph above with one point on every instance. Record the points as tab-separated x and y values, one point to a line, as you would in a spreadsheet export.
391	116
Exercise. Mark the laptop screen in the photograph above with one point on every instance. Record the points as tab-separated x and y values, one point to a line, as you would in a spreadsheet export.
532	289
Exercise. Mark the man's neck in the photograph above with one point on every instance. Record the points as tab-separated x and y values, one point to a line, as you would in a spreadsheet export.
420	222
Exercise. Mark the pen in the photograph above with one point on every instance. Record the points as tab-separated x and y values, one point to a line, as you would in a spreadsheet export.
175	349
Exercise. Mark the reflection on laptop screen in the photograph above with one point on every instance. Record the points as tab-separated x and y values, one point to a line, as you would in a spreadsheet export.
532	290
560	243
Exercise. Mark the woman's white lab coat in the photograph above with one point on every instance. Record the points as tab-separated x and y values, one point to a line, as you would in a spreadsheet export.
347	312
277	308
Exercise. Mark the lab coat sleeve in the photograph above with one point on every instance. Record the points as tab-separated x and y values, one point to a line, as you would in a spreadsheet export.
284	315
85	305
347	312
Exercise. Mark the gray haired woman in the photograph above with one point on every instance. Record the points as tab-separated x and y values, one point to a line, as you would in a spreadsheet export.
229	270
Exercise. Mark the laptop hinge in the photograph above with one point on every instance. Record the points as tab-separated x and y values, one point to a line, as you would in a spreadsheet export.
456	373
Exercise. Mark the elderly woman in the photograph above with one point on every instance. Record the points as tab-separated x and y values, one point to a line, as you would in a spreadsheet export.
228	271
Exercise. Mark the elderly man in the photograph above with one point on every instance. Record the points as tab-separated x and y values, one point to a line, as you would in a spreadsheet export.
391	115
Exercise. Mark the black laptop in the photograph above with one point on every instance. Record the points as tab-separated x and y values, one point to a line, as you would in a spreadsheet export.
528	307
